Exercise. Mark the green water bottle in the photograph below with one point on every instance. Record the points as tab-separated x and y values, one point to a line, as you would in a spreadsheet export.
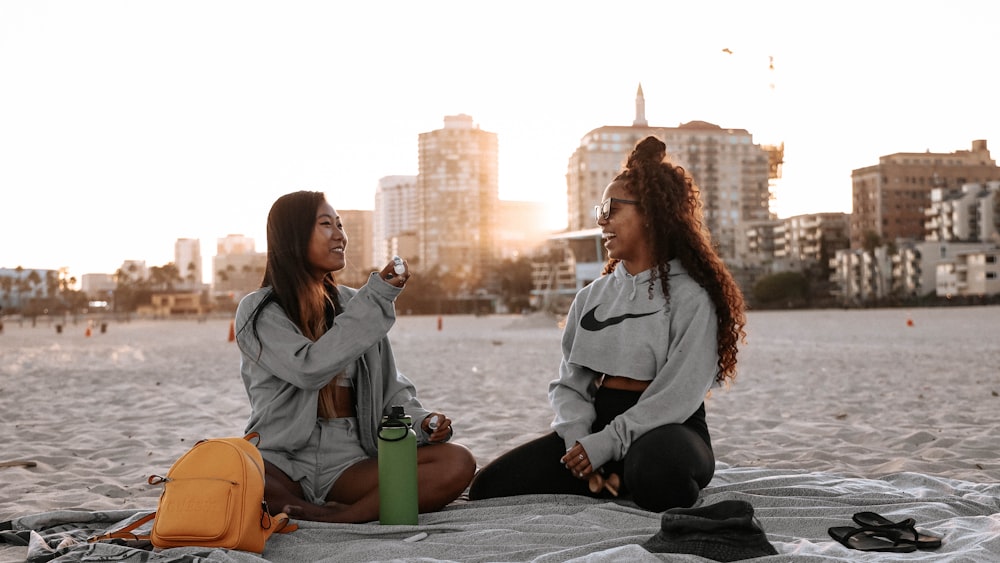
397	469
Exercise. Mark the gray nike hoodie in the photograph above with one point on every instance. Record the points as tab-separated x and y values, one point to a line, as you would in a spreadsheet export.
614	327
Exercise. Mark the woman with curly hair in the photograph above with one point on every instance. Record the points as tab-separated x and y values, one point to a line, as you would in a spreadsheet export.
320	374
642	347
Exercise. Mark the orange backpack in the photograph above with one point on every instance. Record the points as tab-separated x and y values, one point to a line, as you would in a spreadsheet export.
213	496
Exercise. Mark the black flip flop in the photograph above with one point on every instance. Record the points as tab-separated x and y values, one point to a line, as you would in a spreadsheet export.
906	529
863	539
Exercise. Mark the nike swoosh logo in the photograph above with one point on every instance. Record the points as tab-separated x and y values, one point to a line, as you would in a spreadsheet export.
590	322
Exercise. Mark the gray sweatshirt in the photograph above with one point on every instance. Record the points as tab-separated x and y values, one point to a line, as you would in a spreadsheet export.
284	371
614	328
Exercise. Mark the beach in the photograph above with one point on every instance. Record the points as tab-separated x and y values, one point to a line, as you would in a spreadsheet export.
862	393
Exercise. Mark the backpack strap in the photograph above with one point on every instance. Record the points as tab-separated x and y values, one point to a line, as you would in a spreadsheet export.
125	533
280	523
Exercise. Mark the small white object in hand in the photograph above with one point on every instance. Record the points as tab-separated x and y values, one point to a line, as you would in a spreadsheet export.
433	423
399	267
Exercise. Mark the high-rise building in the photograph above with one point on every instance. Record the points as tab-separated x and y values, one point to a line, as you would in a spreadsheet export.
360	234
458	194
890	198
730	170
396	218
187	258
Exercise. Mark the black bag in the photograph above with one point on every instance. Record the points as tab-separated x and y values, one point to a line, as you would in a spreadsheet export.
724	531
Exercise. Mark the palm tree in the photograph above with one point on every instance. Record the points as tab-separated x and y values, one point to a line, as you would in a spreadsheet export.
7	284
71	298
20	285
164	277
36	280
125	289
30	284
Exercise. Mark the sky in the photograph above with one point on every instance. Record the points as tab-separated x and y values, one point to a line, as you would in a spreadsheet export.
125	125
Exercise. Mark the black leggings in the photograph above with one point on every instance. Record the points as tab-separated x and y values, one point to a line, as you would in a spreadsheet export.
664	468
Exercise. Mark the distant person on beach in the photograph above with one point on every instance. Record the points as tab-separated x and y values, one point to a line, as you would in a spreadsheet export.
320	375
642	347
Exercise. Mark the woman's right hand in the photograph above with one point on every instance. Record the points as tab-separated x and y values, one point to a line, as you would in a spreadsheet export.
390	276
577	461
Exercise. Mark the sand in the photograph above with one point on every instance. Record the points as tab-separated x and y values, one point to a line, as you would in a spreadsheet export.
855	392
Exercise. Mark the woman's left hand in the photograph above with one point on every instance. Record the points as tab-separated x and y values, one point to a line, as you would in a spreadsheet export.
577	462
442	430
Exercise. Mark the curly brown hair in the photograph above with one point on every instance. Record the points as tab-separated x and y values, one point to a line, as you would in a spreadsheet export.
668	196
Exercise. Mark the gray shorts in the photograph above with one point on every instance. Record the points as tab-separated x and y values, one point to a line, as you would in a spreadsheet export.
333	446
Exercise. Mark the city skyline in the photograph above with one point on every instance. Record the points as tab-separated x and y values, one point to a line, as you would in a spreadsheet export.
126	126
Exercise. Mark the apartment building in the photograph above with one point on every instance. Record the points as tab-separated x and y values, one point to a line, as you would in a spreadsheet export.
805	241
732	172
237	268
970	213
972	273
458	195
955	257
890	198
397	212
187	258
359	228
762	243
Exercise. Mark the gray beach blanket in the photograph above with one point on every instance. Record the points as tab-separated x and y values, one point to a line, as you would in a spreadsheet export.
794	508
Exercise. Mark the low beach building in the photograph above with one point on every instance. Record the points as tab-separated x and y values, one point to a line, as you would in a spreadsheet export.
567	262
971	274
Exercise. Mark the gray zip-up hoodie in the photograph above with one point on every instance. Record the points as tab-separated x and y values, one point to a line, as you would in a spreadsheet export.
284	371
614	328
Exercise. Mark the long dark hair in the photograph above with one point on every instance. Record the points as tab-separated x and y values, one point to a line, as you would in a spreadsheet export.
308	304
671	203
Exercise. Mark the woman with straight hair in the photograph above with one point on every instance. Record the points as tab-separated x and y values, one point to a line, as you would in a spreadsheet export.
320	374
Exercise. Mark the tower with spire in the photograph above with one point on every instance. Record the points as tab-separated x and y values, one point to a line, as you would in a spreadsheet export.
729	168
640	109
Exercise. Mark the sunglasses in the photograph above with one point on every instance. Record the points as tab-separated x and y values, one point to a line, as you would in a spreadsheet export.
603	211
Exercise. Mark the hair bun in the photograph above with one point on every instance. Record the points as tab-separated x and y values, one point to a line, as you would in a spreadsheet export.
650	149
